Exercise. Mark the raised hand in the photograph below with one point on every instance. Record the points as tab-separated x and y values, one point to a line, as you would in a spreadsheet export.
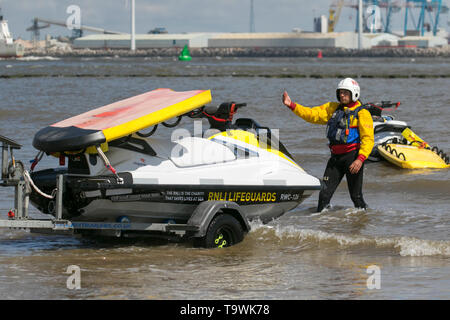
286	99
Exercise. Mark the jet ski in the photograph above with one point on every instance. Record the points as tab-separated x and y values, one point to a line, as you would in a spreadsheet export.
118	169
398	144
414	157
414	154
386	128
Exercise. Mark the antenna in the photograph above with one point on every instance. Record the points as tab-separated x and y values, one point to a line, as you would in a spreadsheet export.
252	17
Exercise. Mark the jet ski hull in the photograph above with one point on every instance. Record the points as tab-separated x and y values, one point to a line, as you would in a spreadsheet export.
102	199
412	157
386	131
130	175
178	205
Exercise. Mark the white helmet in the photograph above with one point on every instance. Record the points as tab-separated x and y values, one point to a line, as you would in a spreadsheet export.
350	85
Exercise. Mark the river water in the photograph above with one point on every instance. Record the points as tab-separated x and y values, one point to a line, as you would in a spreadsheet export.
403	239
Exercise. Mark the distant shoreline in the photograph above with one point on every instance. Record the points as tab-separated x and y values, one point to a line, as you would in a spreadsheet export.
387	52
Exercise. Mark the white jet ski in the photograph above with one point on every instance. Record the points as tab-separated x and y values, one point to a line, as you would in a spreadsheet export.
386	128
116	172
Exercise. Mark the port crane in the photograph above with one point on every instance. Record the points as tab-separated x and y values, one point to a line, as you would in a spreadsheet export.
334	14
76	33
429	13
426	8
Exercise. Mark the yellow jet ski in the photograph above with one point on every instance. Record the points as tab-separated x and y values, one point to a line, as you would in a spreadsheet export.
417	155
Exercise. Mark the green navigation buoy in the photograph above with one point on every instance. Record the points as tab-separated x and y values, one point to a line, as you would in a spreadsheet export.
185	55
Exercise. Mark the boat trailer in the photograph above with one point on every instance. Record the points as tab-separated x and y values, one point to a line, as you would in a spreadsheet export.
15	175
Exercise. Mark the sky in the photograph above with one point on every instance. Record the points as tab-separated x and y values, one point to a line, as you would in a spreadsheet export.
181	15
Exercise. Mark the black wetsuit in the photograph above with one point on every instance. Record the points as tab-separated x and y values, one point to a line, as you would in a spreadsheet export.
350	136
338	166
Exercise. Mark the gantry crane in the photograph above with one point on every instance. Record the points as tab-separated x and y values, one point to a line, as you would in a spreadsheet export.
431	8
429	12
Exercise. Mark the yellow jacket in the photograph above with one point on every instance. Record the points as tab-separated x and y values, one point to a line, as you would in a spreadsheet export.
323	113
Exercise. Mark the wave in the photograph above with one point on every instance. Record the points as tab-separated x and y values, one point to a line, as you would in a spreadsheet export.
405	246
36	58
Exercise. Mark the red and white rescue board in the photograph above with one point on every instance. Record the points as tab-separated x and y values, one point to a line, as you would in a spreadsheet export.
118	119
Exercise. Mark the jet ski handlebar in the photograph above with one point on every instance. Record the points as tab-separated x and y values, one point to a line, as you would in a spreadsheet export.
376	108
224	111
220	117
385	104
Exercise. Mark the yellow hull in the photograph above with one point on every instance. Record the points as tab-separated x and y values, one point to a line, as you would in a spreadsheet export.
411	157
117	120
195	100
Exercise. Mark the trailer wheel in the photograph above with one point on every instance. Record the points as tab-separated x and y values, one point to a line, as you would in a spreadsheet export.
223	231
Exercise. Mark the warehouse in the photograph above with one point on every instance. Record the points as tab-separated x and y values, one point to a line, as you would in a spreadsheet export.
143	41
347	40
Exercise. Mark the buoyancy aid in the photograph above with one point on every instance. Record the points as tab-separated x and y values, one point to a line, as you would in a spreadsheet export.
361	123
339	129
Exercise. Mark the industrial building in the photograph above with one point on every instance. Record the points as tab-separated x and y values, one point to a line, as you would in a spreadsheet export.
223	40
421	18
422	42
143	41
346	40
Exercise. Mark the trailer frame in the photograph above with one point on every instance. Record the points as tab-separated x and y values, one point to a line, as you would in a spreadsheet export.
14	175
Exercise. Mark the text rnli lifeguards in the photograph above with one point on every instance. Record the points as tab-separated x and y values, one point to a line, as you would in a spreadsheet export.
243	196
